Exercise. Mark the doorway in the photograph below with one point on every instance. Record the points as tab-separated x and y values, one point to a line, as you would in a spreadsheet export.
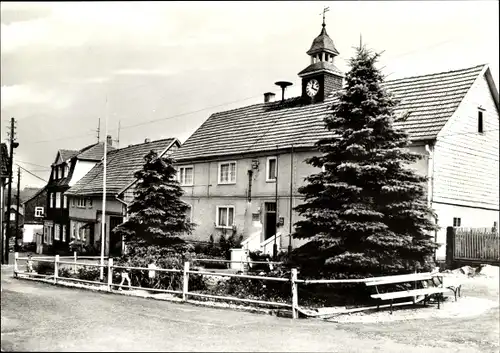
115	241
269	219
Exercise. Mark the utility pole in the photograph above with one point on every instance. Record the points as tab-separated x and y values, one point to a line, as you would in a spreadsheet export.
12	144
17	208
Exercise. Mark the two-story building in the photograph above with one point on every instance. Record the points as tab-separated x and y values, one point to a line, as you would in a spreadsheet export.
85	197
34	213
68	167
241	169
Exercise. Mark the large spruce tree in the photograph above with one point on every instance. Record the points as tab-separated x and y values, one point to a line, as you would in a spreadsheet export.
366	212
157	214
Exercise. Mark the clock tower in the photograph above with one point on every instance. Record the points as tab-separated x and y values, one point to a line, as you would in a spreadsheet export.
321	77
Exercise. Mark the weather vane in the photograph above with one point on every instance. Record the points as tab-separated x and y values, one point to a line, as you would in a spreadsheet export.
325	10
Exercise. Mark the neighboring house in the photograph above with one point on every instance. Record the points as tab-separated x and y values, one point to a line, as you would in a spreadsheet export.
68	168
228	166
4	176
13	212
34	213
85	197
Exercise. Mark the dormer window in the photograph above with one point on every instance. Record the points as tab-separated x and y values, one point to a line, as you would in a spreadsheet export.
56	173
480	122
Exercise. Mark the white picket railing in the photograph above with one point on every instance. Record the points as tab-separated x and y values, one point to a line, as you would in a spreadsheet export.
186	272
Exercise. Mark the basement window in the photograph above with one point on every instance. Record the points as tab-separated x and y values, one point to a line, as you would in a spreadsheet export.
457	222
480	121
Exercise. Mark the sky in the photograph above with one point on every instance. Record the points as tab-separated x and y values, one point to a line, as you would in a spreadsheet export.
159	69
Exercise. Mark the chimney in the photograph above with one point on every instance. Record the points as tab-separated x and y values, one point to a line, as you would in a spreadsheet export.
147	140
269	97
109	140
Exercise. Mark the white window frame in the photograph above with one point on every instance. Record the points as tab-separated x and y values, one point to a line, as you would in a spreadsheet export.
181	175
46	234
64	233
81	202
58	199
38	211
229	173
51	200
50	239
89	203
57	232
217	217
65	201
268	162
73	230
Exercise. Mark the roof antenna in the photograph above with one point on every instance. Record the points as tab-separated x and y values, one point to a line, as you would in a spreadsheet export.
283	85
98	130
118	138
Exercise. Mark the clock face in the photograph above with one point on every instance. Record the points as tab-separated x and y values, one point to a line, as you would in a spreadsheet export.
312	88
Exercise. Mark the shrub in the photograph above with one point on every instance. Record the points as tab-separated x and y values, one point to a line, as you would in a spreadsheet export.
44	268
162	259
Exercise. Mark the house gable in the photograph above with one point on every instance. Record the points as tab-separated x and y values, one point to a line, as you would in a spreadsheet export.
466	161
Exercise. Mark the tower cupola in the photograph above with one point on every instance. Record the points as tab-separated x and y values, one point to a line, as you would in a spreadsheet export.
321	77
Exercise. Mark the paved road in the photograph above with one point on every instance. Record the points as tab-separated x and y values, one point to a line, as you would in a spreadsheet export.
43	317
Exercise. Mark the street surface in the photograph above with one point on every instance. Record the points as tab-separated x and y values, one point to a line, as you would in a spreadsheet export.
43	317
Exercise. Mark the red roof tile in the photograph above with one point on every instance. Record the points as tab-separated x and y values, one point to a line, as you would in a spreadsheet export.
430	99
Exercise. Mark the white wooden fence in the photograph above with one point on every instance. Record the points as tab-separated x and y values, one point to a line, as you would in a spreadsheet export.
186	271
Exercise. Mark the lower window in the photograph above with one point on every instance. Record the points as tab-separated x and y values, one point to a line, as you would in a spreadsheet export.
225	216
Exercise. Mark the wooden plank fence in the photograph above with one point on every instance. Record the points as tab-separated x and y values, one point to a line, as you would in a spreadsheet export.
474	244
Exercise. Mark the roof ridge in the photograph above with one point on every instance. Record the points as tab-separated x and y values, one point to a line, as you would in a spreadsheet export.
144	143
436	73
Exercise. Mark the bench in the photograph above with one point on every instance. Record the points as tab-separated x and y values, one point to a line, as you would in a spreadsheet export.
429	287
452	284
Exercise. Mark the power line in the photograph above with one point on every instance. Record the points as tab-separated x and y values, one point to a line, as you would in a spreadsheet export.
27	171
34	164
152	121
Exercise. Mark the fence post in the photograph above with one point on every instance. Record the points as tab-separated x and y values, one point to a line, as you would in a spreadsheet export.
16	256
110	274
56	269
295	295
185	281
450	247
74	259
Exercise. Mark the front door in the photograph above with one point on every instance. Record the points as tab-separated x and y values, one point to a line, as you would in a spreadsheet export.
115	241
269	220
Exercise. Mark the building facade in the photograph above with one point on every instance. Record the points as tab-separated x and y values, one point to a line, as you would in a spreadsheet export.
86	196
34	213
242	168
68	167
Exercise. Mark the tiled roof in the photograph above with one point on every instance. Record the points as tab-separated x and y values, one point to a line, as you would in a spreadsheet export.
322	43
94	152
321	65
430	99
67	154
120	168
4	160
35	194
